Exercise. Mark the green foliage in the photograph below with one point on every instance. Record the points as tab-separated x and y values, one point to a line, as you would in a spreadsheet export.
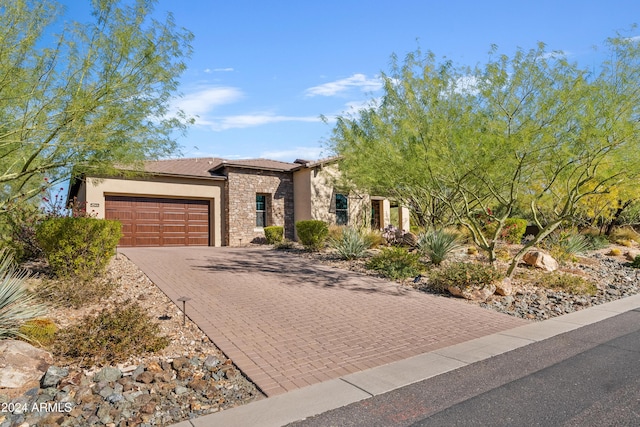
351	244
566	246
39	331
567	282
312	234
87	95
17	305
596	241
513	230
636	262
437	245
67	292
17	229
274	234
78	247
464	275
284	245
110	337
396	263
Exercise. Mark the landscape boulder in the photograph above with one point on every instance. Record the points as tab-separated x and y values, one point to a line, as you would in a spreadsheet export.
22	364
473	293
539	259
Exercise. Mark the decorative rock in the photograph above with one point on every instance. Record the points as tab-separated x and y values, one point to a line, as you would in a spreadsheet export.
53	376
211	362
631	254
21	363
108	374
504	287
473	294
539	259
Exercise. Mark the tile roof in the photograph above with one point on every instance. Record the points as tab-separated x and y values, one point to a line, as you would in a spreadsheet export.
208	166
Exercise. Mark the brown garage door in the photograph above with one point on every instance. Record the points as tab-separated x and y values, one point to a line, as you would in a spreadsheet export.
148	221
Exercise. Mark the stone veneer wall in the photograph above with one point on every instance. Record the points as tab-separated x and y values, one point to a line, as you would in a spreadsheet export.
242	187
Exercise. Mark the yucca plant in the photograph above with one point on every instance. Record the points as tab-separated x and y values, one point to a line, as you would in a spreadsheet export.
437	245
567	246
16	304
350	244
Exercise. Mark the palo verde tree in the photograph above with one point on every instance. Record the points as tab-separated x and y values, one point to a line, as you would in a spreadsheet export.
86	95
528	133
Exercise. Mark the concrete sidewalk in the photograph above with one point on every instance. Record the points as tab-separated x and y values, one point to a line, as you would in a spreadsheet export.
319	398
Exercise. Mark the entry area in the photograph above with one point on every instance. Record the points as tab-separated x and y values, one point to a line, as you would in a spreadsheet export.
150	221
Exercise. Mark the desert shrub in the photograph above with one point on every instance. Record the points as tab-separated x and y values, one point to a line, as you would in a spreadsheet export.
636	262
374	238
566	246
68	292
284	245
437	245
567	282
17	305
18	230
624	235
396	263
112	336
78	248
596	241
274	234
335	232
513	230
39	331
351	244
464	275
614	252
312	234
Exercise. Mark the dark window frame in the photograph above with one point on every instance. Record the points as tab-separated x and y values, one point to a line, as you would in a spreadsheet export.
342	209
261	210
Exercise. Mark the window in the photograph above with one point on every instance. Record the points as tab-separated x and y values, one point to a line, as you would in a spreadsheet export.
342	209
261	210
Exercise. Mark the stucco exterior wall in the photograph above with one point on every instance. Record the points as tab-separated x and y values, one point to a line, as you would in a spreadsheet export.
242	188
93	191
322	197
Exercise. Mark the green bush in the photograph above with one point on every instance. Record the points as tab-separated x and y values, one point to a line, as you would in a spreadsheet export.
312	234
112	336
17	305
351	244
437	245
78	247
464	275
513	230
636	262
274	234
396	263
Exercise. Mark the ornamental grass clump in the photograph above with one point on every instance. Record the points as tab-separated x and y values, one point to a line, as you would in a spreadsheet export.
437	245
351	244
17	305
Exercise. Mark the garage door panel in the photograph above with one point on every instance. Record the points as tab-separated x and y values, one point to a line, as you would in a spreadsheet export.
150	221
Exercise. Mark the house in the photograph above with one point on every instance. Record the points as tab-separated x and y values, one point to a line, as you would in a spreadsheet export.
217	202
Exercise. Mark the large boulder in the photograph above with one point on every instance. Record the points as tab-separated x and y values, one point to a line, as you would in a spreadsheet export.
22	364
504	287
539	259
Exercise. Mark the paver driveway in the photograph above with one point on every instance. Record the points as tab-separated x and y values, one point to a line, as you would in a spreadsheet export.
288	322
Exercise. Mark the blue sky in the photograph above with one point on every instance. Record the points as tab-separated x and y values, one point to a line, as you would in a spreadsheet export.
263	72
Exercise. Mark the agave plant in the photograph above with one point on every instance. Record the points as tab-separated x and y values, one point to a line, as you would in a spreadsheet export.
17	305
351	244
437	245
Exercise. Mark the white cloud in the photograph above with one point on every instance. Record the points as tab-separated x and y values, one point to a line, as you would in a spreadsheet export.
358	81
252	120
307	153
201	102
223	70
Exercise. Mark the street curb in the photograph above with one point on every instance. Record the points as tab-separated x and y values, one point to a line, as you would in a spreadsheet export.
318	398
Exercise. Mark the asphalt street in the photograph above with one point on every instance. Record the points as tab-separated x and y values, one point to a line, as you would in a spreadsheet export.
587	377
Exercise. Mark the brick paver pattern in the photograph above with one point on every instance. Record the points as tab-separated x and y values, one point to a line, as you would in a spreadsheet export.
288	322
